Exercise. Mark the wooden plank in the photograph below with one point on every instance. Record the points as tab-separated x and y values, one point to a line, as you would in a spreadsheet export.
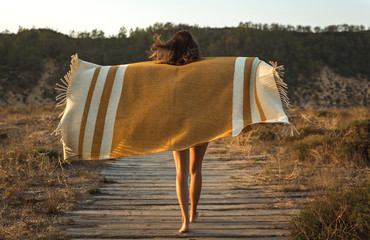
140	202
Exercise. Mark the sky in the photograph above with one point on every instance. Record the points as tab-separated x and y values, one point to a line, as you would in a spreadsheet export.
110	15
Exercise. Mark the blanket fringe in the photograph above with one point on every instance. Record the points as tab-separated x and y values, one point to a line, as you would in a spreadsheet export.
61	98
291	129
282	87
63	87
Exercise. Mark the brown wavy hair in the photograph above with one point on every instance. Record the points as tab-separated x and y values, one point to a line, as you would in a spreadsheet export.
180	49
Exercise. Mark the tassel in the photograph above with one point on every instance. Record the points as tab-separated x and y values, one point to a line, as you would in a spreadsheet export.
63	87
61	98
290	128
282	87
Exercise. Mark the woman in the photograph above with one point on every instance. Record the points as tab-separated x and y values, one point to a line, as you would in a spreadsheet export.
182	49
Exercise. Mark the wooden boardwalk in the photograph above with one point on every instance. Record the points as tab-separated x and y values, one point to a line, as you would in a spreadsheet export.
140	202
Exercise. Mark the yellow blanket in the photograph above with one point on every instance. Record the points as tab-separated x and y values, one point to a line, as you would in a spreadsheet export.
146	107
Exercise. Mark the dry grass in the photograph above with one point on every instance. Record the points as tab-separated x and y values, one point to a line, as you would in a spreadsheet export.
331	151
36	186
343	215
330	156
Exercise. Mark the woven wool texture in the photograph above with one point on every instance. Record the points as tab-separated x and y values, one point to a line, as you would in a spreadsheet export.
146	107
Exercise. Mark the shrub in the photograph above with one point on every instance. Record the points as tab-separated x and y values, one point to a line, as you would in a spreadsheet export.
3	136
93	191
336	216
355	140
51	153
302	147
321	113
348	141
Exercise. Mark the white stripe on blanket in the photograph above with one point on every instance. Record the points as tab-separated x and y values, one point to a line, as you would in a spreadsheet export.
111	113
77	90
93	112
254	109
238	87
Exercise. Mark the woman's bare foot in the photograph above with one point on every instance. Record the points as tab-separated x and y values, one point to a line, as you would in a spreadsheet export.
194	217
185	226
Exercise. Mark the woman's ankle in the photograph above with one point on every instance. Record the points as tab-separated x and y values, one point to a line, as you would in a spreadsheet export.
185	225
193	216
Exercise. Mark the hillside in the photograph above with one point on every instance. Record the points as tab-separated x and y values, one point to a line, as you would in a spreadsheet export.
324	68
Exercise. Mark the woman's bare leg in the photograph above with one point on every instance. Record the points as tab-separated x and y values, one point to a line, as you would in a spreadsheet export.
196	158
182	190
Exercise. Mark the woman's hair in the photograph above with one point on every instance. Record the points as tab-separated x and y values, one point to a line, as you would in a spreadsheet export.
180	49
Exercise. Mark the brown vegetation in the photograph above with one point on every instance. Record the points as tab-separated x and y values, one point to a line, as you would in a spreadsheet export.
36	186
332	150
329	158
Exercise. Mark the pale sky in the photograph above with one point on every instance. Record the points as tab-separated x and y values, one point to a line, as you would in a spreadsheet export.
110	15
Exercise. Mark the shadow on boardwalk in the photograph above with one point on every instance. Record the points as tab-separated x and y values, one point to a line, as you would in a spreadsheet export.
140	203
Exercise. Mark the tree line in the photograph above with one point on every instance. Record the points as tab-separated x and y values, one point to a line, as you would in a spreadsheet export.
303	50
